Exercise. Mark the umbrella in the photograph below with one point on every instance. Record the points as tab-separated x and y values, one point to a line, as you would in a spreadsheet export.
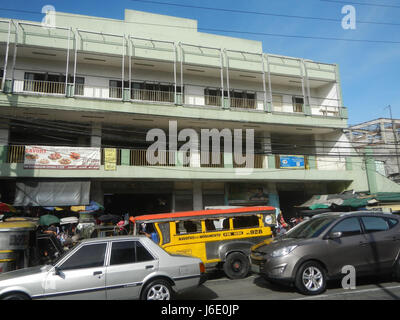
109	218
4	207
48	219
92	207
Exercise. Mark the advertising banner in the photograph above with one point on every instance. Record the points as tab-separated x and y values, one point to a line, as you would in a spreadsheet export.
110	159
49	157
291	162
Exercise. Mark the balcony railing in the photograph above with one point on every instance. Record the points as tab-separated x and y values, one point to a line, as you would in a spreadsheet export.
326	107
153	95
140	157
39	86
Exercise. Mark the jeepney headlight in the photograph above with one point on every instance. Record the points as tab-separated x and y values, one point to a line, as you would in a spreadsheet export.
269	220
283	252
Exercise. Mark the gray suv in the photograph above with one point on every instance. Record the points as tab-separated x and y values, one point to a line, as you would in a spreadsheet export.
316	250
110	268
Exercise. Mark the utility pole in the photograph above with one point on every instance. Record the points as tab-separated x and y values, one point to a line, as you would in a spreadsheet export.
395	138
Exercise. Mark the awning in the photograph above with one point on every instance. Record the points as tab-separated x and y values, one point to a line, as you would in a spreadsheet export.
52	193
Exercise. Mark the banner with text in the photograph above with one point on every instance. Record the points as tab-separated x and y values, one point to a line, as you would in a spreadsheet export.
49	157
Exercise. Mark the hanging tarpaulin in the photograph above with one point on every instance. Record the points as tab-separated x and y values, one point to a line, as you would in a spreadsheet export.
50	157
52	193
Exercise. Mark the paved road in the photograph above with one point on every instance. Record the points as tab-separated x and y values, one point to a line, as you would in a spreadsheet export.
256	288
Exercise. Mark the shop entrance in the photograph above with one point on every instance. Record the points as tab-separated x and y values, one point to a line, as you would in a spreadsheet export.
289	199
137	204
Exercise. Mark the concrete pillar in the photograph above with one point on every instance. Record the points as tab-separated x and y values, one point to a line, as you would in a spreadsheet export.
4	138
95	138
273	195
197	196
96	192
266	148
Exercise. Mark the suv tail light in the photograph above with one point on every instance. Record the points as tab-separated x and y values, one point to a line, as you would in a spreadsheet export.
202	267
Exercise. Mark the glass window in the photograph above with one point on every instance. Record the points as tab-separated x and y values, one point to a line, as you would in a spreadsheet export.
374	224
142	254
310	228
164	227
246	222
188	226
122	252
88	256
348	227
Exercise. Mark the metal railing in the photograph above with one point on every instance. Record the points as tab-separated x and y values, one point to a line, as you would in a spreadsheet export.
39	86
213	101
243	103
152	95
258	162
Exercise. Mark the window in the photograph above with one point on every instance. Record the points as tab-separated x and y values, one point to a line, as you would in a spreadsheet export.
122	252
374	224
88	256
142	254
217	224
298	103
246	222
183	227
164	228
277	103
348	227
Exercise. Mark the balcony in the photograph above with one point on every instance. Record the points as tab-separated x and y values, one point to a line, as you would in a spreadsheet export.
140	158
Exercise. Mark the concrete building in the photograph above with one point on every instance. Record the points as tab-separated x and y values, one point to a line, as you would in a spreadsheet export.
101	84
381	136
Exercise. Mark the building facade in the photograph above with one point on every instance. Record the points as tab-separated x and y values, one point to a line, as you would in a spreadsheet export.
94	83
381	136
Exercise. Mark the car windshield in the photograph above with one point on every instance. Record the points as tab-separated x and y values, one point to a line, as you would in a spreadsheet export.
310	228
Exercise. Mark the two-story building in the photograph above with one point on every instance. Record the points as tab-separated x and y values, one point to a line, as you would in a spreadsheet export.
92	88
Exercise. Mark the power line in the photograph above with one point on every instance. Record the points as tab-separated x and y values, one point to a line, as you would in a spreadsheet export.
262	13
237	31
360	3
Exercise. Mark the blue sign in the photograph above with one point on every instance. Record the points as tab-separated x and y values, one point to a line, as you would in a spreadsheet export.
291	161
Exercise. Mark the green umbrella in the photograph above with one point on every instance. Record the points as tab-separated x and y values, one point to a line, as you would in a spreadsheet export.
48	219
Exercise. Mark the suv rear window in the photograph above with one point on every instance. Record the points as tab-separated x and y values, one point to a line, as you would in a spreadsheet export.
375	224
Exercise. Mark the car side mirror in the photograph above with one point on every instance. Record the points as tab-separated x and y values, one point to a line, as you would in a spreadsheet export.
57	271
335	235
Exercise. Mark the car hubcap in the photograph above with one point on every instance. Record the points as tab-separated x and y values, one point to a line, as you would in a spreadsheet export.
312	279
237	266
158	292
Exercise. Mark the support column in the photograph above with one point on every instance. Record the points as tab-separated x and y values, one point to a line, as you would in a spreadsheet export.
197	196
273	195
96	192
4	138
95	138
266	148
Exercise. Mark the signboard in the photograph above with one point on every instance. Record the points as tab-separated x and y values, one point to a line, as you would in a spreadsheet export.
291	162
49	157
247	194
110	159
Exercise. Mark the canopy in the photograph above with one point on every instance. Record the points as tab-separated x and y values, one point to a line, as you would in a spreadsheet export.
92	207
48	219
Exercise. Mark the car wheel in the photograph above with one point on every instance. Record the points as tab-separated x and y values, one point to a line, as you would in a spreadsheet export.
311	278
157	290
15	296
236	266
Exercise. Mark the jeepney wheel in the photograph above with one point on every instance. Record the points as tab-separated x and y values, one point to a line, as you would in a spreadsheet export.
236	266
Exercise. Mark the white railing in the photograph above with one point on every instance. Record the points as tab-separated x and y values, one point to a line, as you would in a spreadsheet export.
152	95
39	86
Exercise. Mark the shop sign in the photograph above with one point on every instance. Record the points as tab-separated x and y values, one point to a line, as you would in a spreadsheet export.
49	157
291	162
110	159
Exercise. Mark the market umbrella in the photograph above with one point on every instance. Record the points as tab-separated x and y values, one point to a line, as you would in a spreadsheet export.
109	218
92	207
48	219
4	207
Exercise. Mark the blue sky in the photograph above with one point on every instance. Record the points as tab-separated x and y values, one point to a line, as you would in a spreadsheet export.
369	71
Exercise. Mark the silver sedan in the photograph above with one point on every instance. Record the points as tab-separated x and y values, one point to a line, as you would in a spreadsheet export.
105	269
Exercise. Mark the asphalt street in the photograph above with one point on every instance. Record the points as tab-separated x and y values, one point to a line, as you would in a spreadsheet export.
254	287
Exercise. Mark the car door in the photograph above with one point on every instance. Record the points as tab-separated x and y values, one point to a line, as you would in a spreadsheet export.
80	276
129	264
350	249
383	241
